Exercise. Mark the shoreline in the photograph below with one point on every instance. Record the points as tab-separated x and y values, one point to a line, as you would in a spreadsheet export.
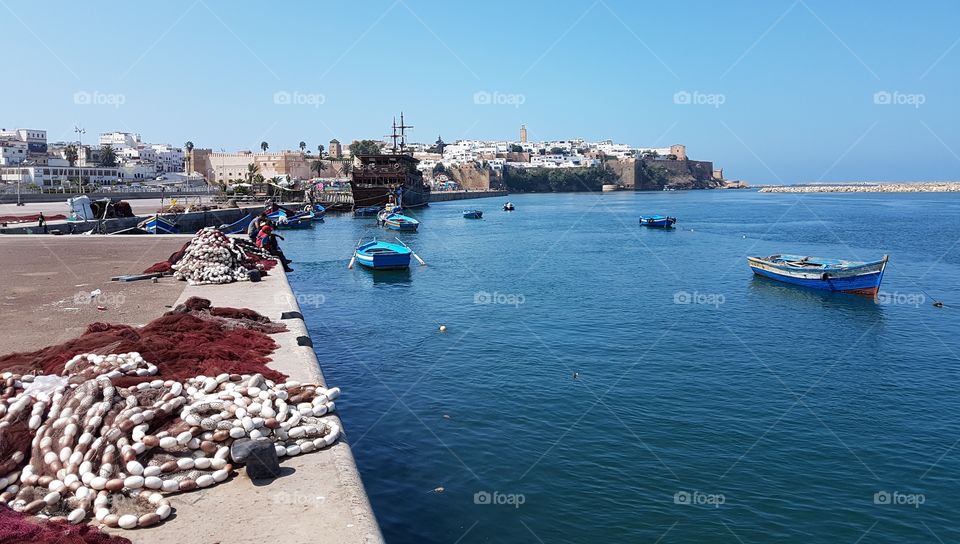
925	187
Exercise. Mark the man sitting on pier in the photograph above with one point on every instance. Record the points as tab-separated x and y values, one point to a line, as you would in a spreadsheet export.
253	229
267	240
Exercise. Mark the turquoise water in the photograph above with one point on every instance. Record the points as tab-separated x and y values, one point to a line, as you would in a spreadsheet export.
783	414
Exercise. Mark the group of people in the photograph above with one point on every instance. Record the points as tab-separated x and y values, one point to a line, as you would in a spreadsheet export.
262	232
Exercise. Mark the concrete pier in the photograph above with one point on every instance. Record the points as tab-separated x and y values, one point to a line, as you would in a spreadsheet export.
320	495
443	196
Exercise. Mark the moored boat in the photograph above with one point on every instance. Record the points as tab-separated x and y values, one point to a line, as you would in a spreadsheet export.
159	225
317	210
858	277
659	221
398	221
383	256
284	220
473	214
508	207
366	211
237	227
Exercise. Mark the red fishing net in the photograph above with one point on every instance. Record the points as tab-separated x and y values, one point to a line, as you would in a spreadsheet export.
32	218
17	528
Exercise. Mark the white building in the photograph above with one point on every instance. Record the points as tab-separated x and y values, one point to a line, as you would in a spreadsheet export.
56	176
119	139
12	152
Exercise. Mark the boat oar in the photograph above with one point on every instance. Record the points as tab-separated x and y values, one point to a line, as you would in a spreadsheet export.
354	257
415	256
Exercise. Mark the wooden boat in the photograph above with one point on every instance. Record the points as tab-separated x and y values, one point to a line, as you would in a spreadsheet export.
159	225
383	256
398	221
317	210
658	221
366	211
473	214
508	207
284	220
830	274
237	227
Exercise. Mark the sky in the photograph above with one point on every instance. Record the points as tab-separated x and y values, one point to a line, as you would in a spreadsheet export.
773	91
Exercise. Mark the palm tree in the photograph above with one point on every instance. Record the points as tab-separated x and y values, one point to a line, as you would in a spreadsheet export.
70	153
303	145
318	166
252	171
320	151
264	146
189	147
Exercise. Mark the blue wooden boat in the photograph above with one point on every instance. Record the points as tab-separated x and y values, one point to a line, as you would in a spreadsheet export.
383	256
366	211
658	221
508	207
159	225
473	214
318	212
284	220
396	221
237	227
857	277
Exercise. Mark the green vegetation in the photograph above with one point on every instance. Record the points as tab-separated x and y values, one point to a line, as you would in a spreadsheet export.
364	147
557	180
70	154
318	166
264	146
514	148
108	157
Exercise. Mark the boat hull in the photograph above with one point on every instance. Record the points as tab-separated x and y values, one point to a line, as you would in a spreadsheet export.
239	226
473	215
159	225
860	280
379	196
381	256
658	222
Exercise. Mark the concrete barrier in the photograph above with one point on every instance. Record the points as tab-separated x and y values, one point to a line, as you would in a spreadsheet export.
443	196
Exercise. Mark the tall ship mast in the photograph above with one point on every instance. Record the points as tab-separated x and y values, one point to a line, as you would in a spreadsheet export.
389	177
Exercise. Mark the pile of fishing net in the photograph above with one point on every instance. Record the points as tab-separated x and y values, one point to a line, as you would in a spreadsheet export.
108	433
31	218
213	257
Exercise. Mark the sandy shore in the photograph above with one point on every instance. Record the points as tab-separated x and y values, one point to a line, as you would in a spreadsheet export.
936	187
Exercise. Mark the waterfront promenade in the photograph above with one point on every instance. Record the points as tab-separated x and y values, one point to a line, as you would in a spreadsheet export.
318	494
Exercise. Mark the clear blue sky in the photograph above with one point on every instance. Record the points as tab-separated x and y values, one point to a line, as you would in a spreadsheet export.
796	78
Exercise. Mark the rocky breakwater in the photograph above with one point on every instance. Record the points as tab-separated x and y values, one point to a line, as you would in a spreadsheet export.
939	187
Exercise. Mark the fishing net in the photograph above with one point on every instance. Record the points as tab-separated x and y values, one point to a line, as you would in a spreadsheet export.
16	528
213	257
110	434
32	218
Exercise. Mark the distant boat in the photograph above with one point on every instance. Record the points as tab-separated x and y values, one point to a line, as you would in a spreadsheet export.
508	207
473	214
383	256
398	221
284	220
659	221
366	211
239	226
856	277
159	225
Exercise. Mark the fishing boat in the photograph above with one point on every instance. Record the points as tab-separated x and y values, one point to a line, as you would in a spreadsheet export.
508	207
159	225
317	210
473	214
659	221
857	277
397	221
237	227
286	220
366	211
383	256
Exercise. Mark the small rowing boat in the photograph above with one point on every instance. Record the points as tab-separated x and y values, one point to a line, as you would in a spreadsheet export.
159	225
366	211
284	220
383	256
658	221
473	214
399	222
508	207
858	277
317	210
237	227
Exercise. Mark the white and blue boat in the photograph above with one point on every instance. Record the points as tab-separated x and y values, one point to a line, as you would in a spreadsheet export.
366	211
159	225
396	221
473	214
383	256
318	212
856	277
286	220
658	221
237	227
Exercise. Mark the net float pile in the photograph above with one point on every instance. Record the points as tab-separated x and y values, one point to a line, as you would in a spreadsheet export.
212	257
114	454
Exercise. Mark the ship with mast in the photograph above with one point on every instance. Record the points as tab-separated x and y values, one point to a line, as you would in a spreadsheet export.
377	180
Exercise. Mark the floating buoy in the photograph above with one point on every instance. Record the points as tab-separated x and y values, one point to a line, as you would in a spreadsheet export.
443	328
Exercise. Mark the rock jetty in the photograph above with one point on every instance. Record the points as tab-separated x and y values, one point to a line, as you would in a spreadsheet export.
939	187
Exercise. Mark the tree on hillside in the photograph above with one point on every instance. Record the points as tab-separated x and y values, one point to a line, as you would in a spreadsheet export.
364	147
70	154
108	157
514	148
264	146
303	145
